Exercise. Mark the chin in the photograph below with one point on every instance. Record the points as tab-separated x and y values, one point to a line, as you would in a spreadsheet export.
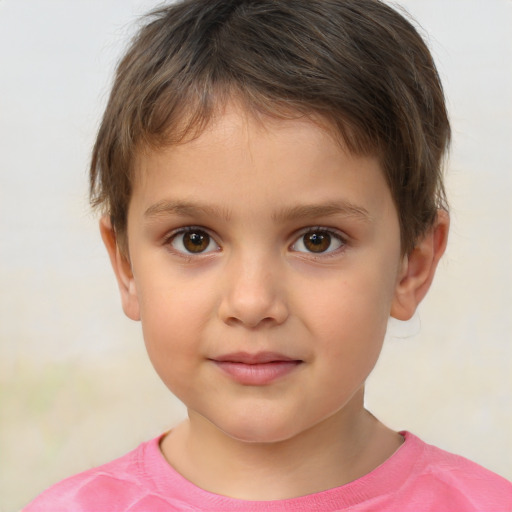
259	431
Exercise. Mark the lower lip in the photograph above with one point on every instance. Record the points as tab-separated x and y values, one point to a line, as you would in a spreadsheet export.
257	374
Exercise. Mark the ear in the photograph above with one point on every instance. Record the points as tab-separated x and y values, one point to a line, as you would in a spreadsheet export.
418	268
122	270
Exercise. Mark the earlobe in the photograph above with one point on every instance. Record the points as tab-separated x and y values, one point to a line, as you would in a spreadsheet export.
122	270
419	267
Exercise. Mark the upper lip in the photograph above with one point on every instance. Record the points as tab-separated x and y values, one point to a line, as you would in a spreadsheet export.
248	358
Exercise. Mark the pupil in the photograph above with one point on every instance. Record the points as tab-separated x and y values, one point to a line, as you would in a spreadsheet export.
317	242
196	241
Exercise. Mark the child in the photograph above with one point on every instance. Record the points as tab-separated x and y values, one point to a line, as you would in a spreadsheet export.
270	177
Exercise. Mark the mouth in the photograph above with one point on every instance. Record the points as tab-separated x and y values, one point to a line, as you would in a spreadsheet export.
257	369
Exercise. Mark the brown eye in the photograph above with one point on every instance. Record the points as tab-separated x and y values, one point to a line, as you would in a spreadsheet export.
196	241
317	242
193	241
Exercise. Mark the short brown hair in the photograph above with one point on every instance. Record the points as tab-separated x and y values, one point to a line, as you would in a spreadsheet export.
359	64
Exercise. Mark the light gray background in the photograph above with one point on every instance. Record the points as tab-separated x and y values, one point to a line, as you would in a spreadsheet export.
76	388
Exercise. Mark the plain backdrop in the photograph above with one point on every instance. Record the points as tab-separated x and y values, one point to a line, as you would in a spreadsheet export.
76	388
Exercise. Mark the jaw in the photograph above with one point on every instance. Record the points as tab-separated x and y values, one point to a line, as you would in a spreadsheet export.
330	454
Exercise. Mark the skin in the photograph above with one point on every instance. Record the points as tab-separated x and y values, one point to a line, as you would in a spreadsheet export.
258	191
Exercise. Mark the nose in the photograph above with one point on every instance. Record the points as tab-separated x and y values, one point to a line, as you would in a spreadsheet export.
254	293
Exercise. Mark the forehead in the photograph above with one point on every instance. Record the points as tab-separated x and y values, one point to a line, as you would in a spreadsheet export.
226	106
241	163
234	123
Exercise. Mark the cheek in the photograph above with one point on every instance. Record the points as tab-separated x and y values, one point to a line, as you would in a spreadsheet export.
349	318
172	316
172	345
354	306
172	301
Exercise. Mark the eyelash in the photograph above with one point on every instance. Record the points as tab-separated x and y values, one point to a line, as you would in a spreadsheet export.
298	239
168	241
333	235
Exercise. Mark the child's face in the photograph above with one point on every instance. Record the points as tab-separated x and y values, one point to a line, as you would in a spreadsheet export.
262	242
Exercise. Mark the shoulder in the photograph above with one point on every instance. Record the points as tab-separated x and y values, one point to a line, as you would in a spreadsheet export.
118	485
461	482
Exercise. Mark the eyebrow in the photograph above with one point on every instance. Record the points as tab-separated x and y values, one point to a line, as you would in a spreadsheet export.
343	208
191	209
185	209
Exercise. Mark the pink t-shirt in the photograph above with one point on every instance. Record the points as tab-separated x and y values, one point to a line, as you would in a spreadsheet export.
417	478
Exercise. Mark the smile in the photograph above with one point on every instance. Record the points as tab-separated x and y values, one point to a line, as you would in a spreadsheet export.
256	369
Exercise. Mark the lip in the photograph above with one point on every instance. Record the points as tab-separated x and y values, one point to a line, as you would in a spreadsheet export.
257	369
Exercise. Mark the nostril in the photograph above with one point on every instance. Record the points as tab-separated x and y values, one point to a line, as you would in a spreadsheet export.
252	324
253	314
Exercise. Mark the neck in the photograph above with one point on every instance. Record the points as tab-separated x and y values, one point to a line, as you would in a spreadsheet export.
340	449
